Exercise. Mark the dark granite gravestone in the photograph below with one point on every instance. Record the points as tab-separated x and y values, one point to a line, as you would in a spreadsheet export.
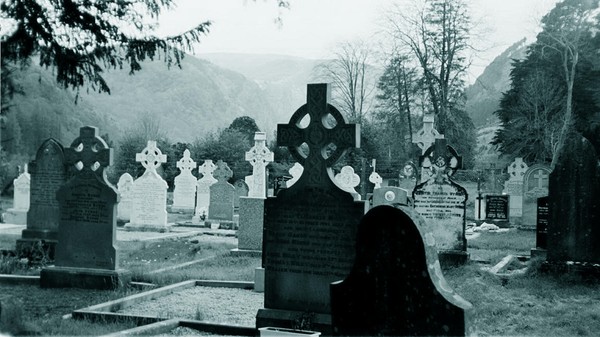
442	202
574	209
541	232
48	173
497	209
310	227
86	256
222	195
396	286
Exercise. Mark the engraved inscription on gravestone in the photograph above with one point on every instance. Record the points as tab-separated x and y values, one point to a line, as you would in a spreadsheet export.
496	207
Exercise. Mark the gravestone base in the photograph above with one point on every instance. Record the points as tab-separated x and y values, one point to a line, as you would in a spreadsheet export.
221	224
452	258
586	270
539	253
246	252
499	223
291	319
85	278
24	247
181	210
15	216
259	280
148	228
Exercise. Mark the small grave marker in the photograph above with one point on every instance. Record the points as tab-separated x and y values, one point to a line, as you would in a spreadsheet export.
347	180
222	195
203	189
21	200
259	157
125	187
184	195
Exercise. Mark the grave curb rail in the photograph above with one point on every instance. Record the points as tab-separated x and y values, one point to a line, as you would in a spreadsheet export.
163	327
19	279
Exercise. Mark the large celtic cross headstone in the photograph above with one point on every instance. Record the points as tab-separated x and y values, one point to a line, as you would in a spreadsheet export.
259	157
88	152
186	163
317	137
151	157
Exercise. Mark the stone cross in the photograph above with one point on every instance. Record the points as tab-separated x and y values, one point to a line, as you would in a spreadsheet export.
441	160
186	163
222	173
540	175
89	152
376	179
207	168
347	179
259	157
425	137
317	164
151	157
517	169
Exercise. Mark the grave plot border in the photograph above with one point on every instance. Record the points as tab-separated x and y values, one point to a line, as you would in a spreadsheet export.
106	312
163	327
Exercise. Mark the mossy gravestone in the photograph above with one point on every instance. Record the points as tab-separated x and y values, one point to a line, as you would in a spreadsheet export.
86	256
574	208
48	173
396	286
309	228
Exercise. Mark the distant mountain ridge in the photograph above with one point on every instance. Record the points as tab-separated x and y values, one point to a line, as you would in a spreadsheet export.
483	96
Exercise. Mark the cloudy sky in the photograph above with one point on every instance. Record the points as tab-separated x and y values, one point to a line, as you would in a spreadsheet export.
312	28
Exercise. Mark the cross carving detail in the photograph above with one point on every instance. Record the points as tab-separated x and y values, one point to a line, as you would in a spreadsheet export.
151	157
317	136
89	152
186	163
441	159
222	172
425	137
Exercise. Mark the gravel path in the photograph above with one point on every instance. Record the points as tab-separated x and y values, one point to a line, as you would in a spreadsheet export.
220	305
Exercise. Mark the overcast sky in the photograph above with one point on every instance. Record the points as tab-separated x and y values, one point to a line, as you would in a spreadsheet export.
312	28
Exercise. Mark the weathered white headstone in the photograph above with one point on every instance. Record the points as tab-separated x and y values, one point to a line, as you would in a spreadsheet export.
125	187
203	189
149	211
18	213
514	186
184	195
535	185
442	202
259	157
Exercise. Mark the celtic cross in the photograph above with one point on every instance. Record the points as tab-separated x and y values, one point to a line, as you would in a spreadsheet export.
441	160
317	136
186	163
151	157
89	152
517	169
222	173
425	137
206	169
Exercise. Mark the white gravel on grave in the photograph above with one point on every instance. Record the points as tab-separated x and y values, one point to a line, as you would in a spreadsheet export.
211	304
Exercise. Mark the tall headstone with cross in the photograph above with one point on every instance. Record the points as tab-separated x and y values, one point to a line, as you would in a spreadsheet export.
86	255
514	186
222	196
425	138
149	206
442	202
259	157
203	190
125	188
184	195
310	227
535	185
21	187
